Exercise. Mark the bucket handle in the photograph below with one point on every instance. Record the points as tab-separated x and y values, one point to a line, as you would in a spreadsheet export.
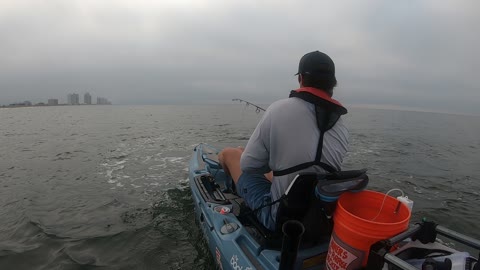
383	202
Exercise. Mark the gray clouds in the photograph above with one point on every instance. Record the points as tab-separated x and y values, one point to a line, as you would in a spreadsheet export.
404	53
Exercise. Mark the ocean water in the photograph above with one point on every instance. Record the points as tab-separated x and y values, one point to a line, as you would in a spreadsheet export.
87	187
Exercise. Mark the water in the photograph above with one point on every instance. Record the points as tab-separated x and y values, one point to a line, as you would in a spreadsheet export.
86	187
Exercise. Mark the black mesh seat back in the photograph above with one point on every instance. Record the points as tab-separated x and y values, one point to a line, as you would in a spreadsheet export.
302	204
318	224
298	200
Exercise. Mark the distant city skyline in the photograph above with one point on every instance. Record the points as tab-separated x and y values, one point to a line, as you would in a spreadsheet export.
72	99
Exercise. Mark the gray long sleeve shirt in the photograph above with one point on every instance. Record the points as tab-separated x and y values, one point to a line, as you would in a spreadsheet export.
287	135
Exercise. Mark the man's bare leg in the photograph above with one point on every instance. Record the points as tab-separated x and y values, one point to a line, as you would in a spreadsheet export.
229	159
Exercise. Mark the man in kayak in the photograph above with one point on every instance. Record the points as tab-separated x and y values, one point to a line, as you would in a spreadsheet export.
288	139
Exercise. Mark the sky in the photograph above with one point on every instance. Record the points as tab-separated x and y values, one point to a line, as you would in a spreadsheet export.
412	54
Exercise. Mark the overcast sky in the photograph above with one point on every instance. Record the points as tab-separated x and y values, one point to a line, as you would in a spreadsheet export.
422	54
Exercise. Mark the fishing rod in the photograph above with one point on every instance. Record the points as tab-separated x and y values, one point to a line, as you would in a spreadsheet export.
257	108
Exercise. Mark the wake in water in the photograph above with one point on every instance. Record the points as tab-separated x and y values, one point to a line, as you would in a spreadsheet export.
145	163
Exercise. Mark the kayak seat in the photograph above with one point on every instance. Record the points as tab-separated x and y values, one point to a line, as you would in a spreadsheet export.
311	199
301	203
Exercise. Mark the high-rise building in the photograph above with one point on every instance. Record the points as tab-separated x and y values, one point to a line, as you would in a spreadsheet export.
103	101
87	98
76	99
73	99
52	101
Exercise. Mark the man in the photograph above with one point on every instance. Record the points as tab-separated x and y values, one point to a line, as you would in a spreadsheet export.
302	133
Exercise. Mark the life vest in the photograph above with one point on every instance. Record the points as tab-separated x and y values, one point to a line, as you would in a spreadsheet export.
327	112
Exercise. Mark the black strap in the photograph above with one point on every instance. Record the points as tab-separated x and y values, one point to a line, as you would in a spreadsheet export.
322	118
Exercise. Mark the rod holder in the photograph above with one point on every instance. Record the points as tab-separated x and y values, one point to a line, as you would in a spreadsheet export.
292	235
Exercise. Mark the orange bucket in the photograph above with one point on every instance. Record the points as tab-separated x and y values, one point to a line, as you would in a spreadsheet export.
360	221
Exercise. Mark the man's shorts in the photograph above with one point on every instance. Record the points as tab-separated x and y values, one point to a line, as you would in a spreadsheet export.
255	191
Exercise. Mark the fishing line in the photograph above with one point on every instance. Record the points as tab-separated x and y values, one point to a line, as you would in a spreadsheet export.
384	198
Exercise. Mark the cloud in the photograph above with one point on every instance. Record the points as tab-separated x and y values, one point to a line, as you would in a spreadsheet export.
399	53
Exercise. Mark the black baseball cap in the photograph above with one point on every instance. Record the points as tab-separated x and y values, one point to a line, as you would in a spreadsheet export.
317	64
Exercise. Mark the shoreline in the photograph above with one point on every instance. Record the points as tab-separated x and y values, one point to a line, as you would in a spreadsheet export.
46	105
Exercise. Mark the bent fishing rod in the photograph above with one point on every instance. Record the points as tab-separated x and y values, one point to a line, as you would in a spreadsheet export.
258	109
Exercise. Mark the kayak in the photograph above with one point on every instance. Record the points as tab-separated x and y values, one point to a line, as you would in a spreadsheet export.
237	241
